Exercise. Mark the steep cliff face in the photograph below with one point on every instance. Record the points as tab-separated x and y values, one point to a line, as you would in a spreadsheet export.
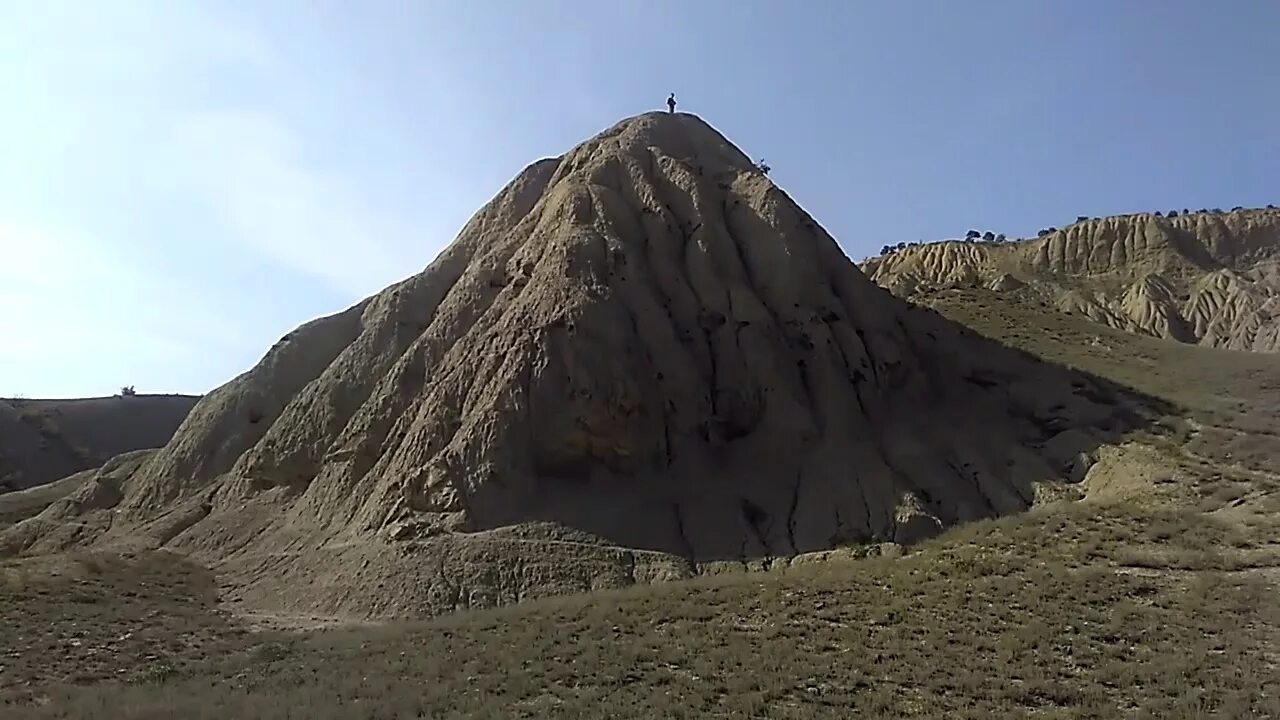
1203	278
639	358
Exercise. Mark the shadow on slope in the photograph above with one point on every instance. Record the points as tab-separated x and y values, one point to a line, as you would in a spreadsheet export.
44	440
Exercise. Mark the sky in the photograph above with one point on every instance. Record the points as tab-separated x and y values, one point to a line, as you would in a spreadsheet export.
182	183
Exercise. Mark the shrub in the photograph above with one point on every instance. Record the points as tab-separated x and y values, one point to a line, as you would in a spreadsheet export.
128	391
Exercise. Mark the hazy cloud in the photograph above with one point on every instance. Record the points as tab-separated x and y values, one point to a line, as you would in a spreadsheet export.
247	167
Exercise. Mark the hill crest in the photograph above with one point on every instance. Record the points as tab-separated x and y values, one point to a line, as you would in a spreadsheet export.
639	359
1209	278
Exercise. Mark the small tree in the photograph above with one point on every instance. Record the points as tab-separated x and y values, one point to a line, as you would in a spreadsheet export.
1081	218
128	391
1237	208
1000	238
971	234
885	250
762	167
1159	214
1173	213
989	236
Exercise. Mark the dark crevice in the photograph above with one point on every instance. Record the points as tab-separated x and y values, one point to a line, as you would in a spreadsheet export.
791	514
756	519
802	367
680	531
868	527
972	477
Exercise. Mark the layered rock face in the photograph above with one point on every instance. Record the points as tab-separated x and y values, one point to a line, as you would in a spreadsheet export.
639	359
1208	278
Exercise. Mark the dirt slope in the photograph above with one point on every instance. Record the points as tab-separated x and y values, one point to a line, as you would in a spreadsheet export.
637	361
44	440
1209	278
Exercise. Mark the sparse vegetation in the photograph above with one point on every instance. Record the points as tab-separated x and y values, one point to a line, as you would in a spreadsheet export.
1126	608
988	236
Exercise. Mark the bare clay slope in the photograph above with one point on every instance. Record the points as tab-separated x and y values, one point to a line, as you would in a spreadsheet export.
1209	278
44	440
638	360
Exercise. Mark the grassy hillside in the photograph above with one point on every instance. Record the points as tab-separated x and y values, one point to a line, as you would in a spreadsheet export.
1232	398
1127	612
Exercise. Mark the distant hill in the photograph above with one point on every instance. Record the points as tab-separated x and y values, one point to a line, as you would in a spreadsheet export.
1210	278
44	440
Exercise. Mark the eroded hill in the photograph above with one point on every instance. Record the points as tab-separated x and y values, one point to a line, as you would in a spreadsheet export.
1209	278
638	361
45	440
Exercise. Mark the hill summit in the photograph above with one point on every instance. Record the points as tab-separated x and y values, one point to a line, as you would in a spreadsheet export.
638	360
1211	277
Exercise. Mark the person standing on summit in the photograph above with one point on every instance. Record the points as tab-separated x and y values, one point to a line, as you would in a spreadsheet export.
671	103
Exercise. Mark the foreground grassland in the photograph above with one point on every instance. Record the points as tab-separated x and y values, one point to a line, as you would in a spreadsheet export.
1078	610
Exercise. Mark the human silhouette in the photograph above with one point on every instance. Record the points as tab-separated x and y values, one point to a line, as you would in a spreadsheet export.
671	103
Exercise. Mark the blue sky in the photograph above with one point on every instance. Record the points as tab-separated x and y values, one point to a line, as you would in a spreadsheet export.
182	183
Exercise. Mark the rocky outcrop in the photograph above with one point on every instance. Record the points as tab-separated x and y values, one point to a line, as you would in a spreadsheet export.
1207	278
639	360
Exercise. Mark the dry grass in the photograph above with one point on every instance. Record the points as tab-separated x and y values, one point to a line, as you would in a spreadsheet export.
1043	615
85	618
